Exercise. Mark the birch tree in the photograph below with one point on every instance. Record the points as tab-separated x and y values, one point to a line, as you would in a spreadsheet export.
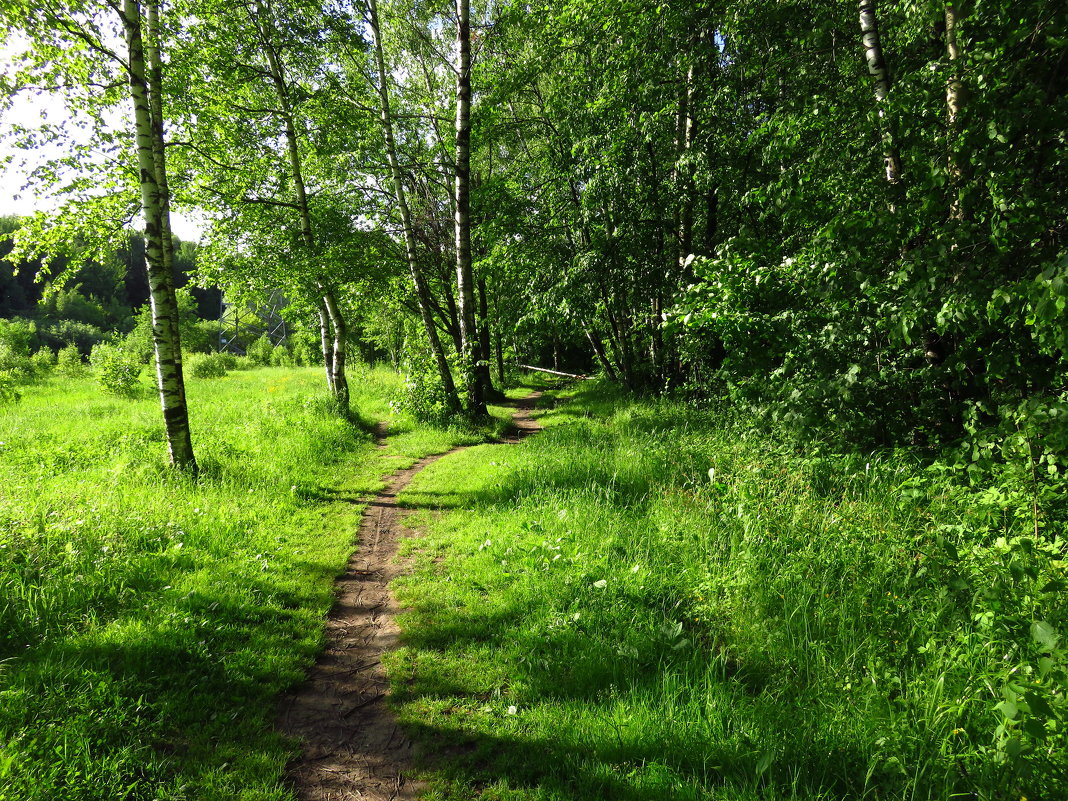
249	146
471	350
877	68
401	196
146	90
86	53
955	99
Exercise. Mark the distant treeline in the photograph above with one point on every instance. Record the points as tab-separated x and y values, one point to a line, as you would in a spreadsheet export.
98	300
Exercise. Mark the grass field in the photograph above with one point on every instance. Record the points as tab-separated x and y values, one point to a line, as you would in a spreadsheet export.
645	601
148	622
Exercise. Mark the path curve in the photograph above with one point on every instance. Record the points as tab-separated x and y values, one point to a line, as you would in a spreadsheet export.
353	746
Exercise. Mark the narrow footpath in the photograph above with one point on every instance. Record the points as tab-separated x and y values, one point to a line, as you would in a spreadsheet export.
353	747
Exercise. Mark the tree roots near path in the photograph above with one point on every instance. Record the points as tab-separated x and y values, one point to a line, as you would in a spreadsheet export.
353	747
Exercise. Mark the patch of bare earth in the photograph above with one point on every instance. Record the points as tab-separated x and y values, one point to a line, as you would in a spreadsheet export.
353	746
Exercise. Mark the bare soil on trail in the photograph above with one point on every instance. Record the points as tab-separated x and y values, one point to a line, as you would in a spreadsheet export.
353	746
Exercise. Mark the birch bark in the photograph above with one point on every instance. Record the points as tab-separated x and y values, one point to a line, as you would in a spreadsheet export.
326	338
955	100
145	92
336	379
422	292
876	60
476	395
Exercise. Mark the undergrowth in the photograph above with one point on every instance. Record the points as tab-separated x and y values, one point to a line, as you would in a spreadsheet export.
647	601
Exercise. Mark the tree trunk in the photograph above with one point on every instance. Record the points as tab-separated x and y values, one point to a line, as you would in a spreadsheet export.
602	357
876	60
326	338
159	158
421	291
485	356
159	247
450	316
337	382
660	266
476	392
955	100
711	226
500	358
685	132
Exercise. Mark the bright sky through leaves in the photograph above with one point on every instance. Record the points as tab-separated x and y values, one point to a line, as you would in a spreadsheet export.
31	111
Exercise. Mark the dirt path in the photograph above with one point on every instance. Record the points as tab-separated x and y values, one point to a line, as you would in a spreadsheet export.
353	747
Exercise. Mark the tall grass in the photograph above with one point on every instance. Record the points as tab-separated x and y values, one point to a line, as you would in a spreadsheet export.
147	621
645	601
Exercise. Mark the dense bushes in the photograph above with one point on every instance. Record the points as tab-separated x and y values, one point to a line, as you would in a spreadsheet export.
117	370
259	352
306	348
197	336
422	395
9	389
208	365
16	363
69	361
17	339
18	335
61	333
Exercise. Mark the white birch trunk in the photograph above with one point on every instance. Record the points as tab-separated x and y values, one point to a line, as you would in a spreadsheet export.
422	291
876	60
955	100
159	246
336	377
326	338
476	395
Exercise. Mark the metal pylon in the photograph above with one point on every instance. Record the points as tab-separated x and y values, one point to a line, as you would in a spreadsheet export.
245	322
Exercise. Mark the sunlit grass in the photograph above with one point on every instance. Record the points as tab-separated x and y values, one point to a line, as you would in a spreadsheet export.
644	601
147	621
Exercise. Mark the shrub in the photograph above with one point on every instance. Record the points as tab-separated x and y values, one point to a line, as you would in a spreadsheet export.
18	335
207	365
200	336
71	305
44	360
259	352
9	390
69	361
16	363
16	338
227	361
70	332
116	370
139	340
307	349
280	357
422	396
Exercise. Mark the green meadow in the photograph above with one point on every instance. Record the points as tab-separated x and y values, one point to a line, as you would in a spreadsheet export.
646	601
148	621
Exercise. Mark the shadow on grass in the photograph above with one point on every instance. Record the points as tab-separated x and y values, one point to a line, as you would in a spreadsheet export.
672	761
186	697
626	490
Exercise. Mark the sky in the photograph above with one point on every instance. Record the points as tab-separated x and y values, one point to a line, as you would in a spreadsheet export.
31	111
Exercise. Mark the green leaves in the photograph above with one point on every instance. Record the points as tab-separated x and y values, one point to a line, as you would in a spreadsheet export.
1044	635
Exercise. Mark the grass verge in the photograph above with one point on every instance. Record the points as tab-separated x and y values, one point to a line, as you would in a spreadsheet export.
645	601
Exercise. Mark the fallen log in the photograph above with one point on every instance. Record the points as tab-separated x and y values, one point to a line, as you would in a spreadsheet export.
554	372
